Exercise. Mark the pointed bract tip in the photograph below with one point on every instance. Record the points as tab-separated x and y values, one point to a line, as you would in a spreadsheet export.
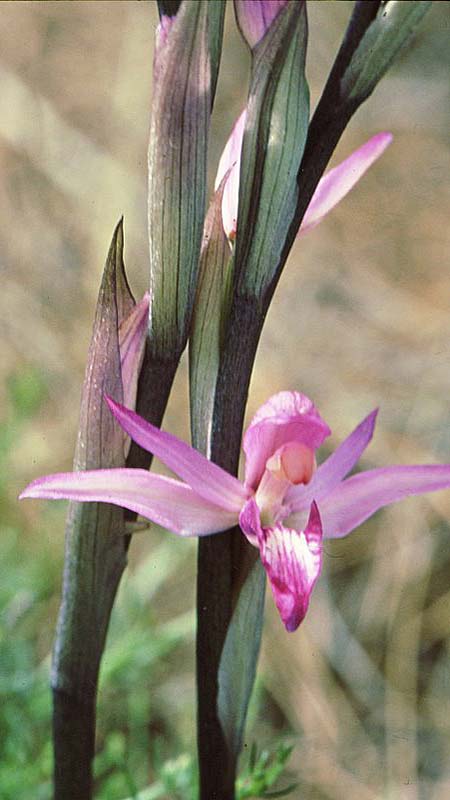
118	232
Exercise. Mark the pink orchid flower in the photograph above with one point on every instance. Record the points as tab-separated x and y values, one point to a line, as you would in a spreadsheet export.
255	18
285	505
330	190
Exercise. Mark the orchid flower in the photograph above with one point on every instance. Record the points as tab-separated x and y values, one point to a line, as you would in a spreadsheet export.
255	19
330	190
285	505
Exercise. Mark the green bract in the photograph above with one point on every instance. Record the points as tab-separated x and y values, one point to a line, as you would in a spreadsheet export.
210	307
393	26
274	140
95	544
177	173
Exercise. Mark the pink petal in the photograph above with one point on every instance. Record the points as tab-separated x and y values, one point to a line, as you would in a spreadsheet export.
162	35
163	29
286	417
357	498
230	161
292	560
132	336
331	189
208	480
336	183
255	17
167	502
335	468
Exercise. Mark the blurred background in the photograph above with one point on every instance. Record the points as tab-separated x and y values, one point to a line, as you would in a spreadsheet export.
360	319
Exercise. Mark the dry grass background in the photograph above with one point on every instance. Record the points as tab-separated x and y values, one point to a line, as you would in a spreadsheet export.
360	319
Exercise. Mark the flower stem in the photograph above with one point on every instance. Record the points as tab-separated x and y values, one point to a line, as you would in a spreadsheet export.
220	557
73	742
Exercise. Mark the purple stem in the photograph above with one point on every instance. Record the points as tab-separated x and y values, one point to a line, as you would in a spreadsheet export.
224	559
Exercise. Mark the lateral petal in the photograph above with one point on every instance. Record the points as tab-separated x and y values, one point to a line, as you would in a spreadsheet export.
329	474
208	480
336	183
358	497
169	503
292	560
250	522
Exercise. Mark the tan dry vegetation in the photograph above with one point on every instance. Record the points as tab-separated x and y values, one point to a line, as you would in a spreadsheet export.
361	319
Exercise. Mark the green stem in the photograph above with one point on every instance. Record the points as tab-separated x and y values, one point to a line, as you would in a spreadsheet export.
96	553
74	744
